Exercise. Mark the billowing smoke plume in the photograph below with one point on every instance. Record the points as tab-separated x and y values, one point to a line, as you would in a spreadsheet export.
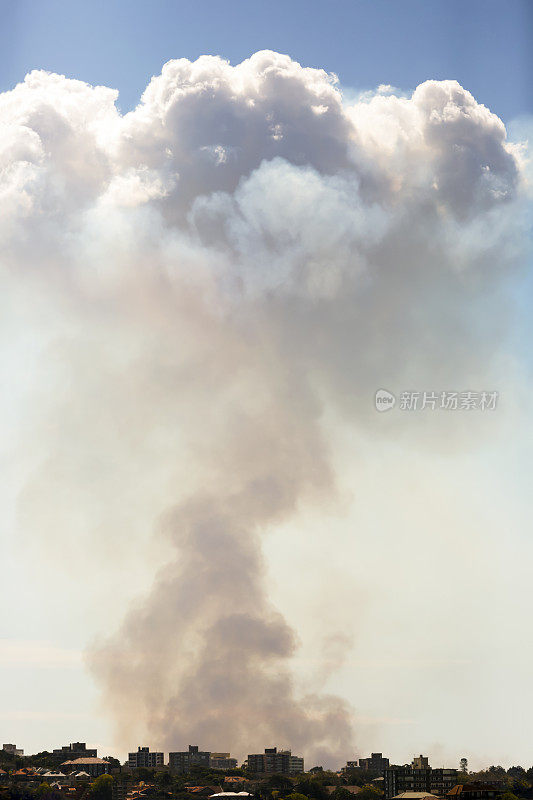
203	279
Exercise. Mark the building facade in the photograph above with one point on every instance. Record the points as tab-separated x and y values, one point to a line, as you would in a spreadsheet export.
443	780
75	750
274	761
144	758
376	763
193	757
92	766
12	749
418	777
222	761
477	790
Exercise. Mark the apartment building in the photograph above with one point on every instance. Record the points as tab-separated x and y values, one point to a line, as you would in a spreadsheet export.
144	758
376	763
75	750
12	749
274	761
222	761
182	761
418	777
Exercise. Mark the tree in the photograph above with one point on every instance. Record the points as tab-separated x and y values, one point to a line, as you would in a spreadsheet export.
23	793
279	782
357	777
144	774
516	772
464	765
342	793
312	787
45	792
101	789
163	778
369	793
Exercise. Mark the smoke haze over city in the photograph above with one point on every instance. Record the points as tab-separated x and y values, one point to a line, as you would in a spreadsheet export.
202	297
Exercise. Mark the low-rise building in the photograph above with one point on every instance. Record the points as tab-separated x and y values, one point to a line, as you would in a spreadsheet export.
476	790
92	766
144	758
24	774
54	777
82	775
201	791
274	761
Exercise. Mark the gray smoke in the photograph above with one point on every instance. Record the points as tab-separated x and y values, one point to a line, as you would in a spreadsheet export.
211	275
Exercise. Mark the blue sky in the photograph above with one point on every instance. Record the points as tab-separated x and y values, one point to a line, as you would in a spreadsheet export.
485	45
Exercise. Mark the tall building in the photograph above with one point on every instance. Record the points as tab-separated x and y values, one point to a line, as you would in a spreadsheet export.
12	749
75	750
443	780
418	777
144	758
376	763
274	761
222	761
193	757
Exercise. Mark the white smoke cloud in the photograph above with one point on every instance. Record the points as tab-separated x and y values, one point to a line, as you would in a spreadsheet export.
194	287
